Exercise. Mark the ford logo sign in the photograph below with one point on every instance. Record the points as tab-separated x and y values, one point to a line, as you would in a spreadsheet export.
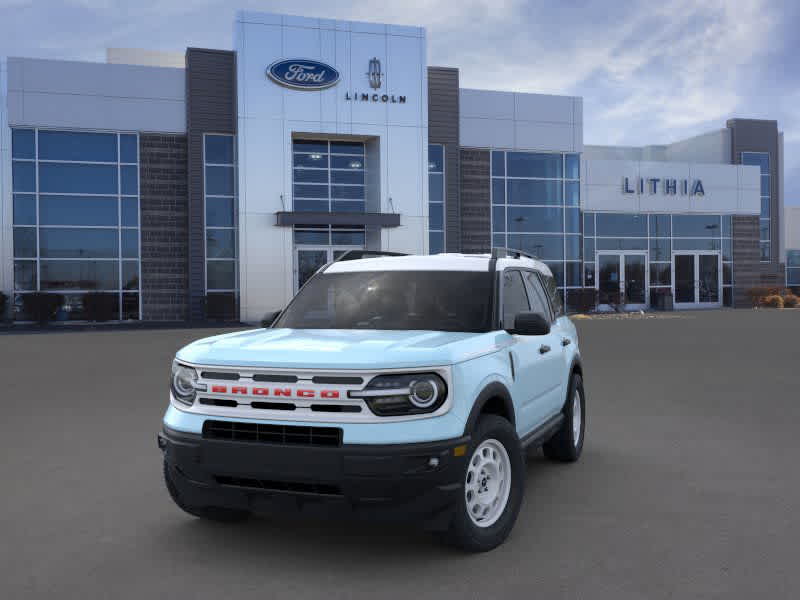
303	74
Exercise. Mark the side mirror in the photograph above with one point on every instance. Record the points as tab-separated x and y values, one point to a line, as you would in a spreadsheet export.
269	318
530	323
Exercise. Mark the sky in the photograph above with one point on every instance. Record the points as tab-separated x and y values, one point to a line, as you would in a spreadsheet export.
650	72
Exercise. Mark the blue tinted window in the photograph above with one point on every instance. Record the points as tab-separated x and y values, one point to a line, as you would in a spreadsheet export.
621	244
695	244
219	149
78	243
79	275
80	146
573	274
219	212
573	166
320	161
221	274
310	146
347	148
130	212
312	237
546	247
766	251
310	191
435	242
765	185
24	275
219	181
24	209
660	226
130	306
130	243
572	220
312	175
23	143
727	249
25	242
498	191
130	275
348	238
498	218
220	243
356	177
77	179
498	163
572	246
77	210
726	225
765	207
436	216
436	188
340	162
588	249
660	249
128	149
558	272
538	220
588	224
129	184
759	159
499	240
529	164
627	225
696	225
435	158
793	258
23	176
522	191
764	229
572	190
347	192
311	205
348	206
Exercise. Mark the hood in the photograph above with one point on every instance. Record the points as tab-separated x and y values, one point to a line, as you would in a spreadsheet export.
339	348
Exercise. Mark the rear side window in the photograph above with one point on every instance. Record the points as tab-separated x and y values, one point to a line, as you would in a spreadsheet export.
515	300
537	295
555	298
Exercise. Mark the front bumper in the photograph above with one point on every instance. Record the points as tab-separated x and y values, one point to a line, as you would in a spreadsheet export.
393	481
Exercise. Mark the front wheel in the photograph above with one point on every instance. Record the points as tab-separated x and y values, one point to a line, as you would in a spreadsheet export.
567	443
493	487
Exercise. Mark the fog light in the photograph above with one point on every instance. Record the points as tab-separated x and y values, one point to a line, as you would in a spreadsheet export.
433	462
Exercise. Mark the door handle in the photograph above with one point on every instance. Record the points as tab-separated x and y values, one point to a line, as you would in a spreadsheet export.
566	342
544	349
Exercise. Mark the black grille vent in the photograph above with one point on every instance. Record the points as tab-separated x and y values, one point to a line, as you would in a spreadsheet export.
337	380
280	486
276	378
220	375
272	434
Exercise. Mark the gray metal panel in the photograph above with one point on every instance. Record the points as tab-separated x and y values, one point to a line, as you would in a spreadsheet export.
210	108
476	216
443	128
286	219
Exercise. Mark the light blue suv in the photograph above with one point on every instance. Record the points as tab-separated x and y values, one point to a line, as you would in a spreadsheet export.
391	386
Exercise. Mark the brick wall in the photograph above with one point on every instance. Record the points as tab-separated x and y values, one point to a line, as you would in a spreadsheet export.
476	216
165	230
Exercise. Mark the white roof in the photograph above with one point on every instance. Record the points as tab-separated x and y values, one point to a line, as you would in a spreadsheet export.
436	262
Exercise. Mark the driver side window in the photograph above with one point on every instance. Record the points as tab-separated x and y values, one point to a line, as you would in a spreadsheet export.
515	299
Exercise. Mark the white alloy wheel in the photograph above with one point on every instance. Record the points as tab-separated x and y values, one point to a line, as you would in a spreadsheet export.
488	483
576	418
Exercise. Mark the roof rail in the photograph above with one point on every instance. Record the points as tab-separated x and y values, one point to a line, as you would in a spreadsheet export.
359	254
498	252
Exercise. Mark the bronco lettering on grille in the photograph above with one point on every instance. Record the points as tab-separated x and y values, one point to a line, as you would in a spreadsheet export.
275	392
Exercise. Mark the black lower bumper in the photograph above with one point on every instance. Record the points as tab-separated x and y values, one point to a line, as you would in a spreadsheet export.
394	481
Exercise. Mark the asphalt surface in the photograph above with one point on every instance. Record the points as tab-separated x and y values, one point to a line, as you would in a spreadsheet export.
688	486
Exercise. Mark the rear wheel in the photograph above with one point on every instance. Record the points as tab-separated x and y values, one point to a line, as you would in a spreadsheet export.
493	487
567	443
212	513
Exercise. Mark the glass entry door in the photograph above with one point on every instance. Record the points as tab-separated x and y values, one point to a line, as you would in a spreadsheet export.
308	260
697	279
622	279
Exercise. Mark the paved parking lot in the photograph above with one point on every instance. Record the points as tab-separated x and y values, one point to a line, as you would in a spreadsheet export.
688	486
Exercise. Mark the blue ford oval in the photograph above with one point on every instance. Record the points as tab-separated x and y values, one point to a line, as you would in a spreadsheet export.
303	74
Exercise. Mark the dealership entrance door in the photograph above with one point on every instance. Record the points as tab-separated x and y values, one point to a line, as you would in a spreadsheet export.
697	279
308	261
622	280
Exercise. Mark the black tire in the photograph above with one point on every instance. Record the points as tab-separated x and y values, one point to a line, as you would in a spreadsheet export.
562	446
211	513
463	532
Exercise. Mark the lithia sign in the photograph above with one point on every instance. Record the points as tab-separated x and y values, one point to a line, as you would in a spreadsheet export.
306	74
667	186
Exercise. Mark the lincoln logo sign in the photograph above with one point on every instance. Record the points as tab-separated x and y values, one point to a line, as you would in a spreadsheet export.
669	187
302	74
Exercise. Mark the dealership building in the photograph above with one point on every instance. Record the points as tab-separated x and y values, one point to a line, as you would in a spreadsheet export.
211	184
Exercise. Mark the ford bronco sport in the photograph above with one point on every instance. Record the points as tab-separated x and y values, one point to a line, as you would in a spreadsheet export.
390	386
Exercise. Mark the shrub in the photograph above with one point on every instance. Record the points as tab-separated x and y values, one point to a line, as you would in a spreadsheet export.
773	301
3	306
99	306
41	306
790	301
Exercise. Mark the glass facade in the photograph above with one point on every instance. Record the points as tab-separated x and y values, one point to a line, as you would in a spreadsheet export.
328	176
659	235
536	209
221	224
793	268
436	198
76	220
761	160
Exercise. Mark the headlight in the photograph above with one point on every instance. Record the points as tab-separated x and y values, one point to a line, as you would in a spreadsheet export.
404	394
184	383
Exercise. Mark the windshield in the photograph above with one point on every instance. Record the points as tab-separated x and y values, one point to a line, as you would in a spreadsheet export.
430	300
